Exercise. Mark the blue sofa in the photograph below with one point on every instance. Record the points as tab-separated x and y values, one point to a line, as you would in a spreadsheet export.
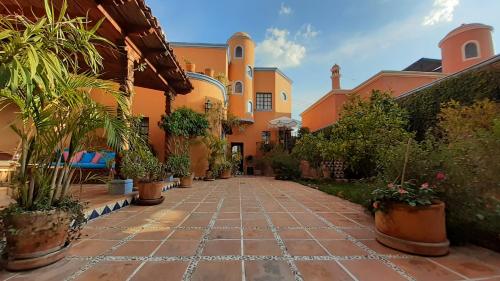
86	160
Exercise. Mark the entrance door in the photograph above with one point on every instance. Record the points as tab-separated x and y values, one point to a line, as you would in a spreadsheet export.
238	147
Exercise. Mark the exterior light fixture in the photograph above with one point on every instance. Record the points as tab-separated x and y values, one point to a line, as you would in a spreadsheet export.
208	106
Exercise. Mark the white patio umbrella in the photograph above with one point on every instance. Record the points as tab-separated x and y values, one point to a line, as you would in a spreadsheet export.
283	122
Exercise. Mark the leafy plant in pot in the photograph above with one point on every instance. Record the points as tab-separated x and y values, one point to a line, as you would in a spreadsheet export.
54	111
409	217
140	164
180	165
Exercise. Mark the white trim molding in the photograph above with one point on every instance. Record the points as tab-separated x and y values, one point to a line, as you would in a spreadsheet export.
206	78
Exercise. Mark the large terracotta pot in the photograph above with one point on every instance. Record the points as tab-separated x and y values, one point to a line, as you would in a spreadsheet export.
36	234
150	190
187	181
209	72
418	230
225	174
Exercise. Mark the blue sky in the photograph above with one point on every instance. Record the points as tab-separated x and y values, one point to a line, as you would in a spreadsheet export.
306	37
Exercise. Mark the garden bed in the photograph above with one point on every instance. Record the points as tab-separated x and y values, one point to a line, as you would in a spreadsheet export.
356	192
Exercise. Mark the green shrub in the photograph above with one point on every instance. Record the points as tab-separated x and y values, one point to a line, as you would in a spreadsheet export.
185	122
365	130
179	165
424	106
285	166
308	148
140	163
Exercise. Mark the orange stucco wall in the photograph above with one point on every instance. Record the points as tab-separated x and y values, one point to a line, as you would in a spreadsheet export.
195	100
452	48
327	111
148	103
324	113
209	57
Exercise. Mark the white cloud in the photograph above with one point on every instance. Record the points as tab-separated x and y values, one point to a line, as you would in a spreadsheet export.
307	32
442	11
278	50
285	10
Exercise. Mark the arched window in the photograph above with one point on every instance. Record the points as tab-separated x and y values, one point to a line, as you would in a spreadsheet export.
471	50
238	52
284	96
238	87
249	71
250	107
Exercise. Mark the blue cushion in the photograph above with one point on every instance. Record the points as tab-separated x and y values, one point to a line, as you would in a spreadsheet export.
87	157
89	165
106	156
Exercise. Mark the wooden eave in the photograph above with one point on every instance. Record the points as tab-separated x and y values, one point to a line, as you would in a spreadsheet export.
126	21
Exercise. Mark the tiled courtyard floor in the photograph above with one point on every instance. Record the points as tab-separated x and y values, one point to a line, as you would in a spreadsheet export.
250	229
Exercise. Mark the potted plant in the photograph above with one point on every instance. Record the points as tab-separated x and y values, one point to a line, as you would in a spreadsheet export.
54	112
190	66
209	72
140	164
225	169
180	165
215	153
409	217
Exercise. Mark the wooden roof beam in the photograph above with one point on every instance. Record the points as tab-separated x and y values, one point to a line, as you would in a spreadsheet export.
139	30
113	2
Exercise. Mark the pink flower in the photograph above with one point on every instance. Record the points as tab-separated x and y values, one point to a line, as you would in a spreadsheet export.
424	185
390	186
440	176
376	205
402	191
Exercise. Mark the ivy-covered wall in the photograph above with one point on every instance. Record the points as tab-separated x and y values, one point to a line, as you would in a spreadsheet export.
423	106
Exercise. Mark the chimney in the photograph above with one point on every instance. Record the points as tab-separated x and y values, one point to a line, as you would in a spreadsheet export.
335	77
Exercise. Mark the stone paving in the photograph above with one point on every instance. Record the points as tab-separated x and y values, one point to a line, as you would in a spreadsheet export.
250	229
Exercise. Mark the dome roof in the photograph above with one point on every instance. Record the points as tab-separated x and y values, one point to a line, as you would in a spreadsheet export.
464	27
241	34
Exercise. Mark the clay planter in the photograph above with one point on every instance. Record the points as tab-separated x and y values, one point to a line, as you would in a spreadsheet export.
225	174
190	67
150	190
187	181
417	230
39	239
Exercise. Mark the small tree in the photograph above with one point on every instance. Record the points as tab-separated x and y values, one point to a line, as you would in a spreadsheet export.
366	130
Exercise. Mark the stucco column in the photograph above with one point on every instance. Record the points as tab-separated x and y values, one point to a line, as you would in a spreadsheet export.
169	98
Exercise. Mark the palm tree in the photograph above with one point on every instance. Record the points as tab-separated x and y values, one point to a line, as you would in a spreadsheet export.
41	74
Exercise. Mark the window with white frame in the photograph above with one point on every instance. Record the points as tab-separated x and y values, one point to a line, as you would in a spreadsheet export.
249	71
264	101
238	87
471	50
249	107
238	52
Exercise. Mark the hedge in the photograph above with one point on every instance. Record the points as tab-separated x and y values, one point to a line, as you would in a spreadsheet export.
423	106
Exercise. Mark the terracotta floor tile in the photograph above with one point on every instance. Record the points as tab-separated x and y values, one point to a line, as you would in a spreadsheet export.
152	234
218	271
233	216
261	248
371	270
227	223
225	234
422	269
326	234
177	248
268	271
250	223
469	266
294	234
381	249
105	222
257	234
57	271
304	248
361	233
222	248
136	248
110	271
186	235
161	271
342	248
322	271
112	234
91	247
